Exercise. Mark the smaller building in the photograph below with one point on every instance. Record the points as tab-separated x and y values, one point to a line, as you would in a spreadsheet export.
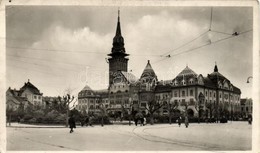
27	95
14	101
32	93
246	105
91	101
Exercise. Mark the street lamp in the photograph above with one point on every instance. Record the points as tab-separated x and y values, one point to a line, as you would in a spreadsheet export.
130	110
101	106
249	79
201	100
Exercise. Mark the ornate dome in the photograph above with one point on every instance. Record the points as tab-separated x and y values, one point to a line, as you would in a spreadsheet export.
216	75
86	88
187	72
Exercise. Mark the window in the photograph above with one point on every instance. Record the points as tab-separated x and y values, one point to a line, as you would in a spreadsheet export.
183	82
175	94
191	92
209	94
214	94
206	93
35	97
183	103
219	95
183	93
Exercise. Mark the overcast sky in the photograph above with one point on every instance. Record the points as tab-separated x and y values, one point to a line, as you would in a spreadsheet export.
65	47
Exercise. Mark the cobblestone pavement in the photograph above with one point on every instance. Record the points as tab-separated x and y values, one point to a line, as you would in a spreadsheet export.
159	137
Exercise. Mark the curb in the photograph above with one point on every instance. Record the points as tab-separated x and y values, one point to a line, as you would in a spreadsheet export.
33	127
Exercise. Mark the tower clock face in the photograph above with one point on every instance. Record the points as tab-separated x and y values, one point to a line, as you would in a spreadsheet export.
118	78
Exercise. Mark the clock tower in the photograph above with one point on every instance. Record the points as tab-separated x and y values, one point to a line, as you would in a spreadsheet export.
117	57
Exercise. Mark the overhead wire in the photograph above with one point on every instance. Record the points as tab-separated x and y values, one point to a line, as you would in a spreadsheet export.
67	63
207	44
185	44
46	66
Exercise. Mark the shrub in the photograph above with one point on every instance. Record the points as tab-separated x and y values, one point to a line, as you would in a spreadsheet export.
32	120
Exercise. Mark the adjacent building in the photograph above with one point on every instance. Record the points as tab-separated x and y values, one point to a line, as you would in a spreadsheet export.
92	101
27	95
246	106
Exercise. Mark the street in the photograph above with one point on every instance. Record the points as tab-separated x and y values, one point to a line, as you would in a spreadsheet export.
159	137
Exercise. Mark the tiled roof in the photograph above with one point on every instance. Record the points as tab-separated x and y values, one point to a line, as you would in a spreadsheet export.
163	88
208	82
148	71
129	77
236	90
31	87
187	72
86	88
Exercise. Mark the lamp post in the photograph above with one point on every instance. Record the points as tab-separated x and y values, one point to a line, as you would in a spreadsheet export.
201	100
130	110
102	108
248	79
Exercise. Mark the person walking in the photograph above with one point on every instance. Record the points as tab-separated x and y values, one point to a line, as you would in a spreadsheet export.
87	120
186	121
179	121
72	123
144	121
91	118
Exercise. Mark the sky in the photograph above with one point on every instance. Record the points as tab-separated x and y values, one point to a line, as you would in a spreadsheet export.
65	47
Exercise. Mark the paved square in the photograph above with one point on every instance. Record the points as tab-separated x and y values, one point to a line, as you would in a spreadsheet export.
230	136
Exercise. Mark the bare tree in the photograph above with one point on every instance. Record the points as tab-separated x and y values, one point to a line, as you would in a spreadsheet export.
172	106
69	102
152	106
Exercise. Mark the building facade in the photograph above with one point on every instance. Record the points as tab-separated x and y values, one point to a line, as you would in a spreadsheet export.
28	93
189	93
246	105
92	101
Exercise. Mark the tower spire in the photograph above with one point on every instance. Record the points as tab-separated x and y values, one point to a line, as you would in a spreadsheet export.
118	18
118	28
216	67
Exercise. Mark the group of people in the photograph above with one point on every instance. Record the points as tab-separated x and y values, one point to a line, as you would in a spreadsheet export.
186	121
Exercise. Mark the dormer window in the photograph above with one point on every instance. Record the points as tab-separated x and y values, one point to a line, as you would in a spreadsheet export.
183	82
191	81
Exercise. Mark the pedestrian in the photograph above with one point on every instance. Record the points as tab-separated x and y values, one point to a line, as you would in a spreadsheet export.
144	121
72	123
179	121
186	121
87	120
19	119
249	120
136	120
91	120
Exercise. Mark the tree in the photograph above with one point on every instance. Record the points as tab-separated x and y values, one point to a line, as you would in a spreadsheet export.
172	106
103	113
68	102
152	106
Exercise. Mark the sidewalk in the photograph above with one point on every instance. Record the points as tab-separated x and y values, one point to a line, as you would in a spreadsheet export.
22	125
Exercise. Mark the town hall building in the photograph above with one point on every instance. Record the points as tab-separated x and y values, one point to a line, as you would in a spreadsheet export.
189	93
